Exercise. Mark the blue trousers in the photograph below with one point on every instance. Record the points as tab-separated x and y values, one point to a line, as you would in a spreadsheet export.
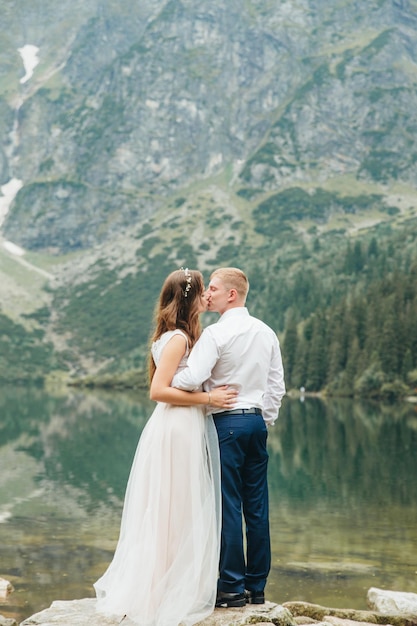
244	463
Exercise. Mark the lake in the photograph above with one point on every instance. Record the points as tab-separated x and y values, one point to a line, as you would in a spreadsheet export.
343	494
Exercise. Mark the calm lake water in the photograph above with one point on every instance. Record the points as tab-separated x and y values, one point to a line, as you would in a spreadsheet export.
343	494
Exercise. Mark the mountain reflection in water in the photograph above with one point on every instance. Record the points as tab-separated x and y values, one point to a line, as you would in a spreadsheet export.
342	491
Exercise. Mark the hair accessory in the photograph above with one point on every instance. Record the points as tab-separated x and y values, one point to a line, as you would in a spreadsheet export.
188	279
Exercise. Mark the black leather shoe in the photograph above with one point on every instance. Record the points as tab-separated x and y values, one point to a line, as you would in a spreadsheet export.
255	597
225	600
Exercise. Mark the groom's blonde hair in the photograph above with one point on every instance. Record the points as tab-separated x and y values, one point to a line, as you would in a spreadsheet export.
233	278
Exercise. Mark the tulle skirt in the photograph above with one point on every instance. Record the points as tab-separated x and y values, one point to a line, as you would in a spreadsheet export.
164	570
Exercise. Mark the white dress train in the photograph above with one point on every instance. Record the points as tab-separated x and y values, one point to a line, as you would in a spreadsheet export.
164	570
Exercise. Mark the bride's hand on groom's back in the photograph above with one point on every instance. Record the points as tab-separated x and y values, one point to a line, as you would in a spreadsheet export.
223	397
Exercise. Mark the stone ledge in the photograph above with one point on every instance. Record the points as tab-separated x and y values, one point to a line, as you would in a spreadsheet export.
388	608
306	613
83	613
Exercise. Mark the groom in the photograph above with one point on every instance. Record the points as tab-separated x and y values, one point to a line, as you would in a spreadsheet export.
240	350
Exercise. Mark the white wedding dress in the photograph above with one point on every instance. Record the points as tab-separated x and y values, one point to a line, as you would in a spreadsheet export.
164	570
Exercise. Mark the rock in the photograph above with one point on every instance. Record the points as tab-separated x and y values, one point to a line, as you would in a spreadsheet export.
251	614
72	613
393	602
320	613
5	588
339	621
7	621
83	613
347	616
400	609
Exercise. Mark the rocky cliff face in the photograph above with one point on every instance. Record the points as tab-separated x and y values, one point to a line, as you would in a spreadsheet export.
136	137
131	103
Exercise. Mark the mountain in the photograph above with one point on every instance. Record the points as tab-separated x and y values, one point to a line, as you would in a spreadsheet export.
149	135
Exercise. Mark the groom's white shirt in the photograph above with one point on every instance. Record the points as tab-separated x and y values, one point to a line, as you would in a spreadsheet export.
238	350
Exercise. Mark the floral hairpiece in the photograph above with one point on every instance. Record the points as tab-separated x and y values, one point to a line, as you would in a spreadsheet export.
188	279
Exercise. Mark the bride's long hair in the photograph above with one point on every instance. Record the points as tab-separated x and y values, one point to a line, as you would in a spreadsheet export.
178	307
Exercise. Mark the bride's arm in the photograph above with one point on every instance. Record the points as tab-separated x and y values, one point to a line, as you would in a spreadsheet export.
161	389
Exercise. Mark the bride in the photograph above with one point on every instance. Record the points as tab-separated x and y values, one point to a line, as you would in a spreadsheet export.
164	570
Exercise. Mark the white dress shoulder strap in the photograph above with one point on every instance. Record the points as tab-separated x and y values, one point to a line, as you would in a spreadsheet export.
159	345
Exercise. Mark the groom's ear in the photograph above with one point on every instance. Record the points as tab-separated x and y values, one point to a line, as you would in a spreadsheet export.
233	295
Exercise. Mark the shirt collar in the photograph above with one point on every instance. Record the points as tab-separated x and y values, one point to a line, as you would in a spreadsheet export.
240	311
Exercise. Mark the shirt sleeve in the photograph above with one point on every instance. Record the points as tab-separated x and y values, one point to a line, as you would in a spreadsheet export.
275	388
203	357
